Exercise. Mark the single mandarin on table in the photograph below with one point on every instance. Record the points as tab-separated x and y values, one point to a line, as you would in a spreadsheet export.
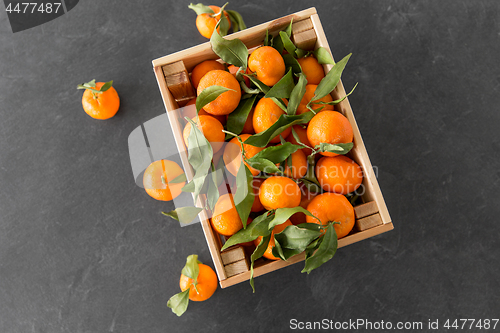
156	180
189	110
203	68
225	218
266	113
205	23
279	192
206	284
329	127
309	94
232	154
227	101
102	105
211	129
332	207
312	69
276	230
339	174
302	134
268	63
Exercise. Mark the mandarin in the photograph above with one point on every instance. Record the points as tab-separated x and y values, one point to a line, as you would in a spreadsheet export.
279	192
266	113
156	180
205	23
226	102
339	174
276	230
268	63
102	105
332	207
206	284
312	69
329	127
225	218
232	154
203	68
211	129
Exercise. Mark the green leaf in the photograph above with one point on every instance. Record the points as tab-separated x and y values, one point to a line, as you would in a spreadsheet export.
201	9
283	214
106	86
92	86
288	29
337	101
291	62
279	102
299	53
313	247
262	87
213	189
247	90
325	252
179	302
284	121
297	94
179	179
277	154
236	119
310	179
259	252
287	43
200	155
323	56
297	238
189	187
339	148
236	20
330	81
208	95
243	198
191	269
184	214
311	186
263	164
224	25
283	87
267	39
233	51
258	227
278	43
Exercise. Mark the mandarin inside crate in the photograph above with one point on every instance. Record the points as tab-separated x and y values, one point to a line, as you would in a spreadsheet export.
172	74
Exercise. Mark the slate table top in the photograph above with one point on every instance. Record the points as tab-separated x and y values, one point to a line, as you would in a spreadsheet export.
83	249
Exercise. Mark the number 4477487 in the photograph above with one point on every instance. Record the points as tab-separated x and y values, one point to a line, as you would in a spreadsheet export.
471	323
33	7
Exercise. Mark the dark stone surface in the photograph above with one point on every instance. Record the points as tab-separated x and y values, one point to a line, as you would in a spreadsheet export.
83	249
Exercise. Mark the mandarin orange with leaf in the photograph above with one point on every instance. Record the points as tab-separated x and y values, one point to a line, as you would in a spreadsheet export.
332	207
329	127
226	102
268	64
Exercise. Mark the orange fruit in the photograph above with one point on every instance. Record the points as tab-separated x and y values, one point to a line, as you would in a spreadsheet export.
299	165
302	134
233	70
276	230
189	110
332	207
211	129
266	113
312	69
205	23
309	94
257	205
279	192
227	101
268	63
203	68
339	174
206	284
156	180
329	127
232	154
225	218
101	105
299	218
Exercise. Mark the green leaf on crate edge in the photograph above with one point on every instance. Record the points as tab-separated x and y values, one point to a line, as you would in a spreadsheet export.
237	20
236	119
233	51
284	121
258	227
201	9
338	148
243	198
209	95
259	252
325	251
283	87
277	154
291	62
184	215
283	214
330	81
179	302
287	43
288	29
199	156
297	94
323	56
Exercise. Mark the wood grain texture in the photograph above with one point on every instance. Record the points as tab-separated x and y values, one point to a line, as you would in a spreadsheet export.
232	254
366	209
368	222
305	40
237	267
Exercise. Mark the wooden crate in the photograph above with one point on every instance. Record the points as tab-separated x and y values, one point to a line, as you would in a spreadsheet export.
372	217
